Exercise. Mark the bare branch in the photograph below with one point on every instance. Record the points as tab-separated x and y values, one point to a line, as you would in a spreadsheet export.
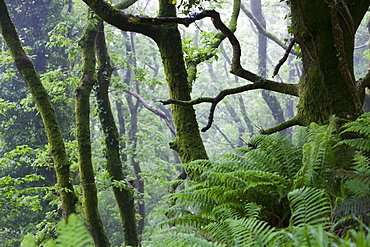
290	89
284	58
362	46
152	109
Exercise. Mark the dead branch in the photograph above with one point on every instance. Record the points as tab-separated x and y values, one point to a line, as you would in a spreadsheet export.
152	109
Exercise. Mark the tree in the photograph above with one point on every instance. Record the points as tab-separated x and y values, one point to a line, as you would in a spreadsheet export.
188	143
328	86
28	71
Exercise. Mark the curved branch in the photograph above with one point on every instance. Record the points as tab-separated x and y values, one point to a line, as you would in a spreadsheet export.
124	4
290	89
121	20
152	109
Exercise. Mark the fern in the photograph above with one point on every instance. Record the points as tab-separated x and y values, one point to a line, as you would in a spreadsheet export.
70	234
181	237
309	206
353	206
73	233
239	199
360	126
252	232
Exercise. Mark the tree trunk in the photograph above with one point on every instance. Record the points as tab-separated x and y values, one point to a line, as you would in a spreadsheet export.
87	175
47	112
123	191
134	108
325	34
188	142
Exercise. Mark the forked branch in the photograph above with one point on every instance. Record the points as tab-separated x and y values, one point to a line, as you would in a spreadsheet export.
290	89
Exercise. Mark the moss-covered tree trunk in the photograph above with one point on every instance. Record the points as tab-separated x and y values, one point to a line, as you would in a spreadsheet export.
87	175
325	32
41	97
123	191
188	142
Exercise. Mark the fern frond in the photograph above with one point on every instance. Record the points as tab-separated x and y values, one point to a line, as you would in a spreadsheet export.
181	237
197	167
200	199
252	210
252	232
353	206
72	234
360	126
219	232
283	150
190	220
318	157
308	206
228	210
358	143
358	188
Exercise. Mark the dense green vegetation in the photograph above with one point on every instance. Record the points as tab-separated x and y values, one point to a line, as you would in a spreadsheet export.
143	124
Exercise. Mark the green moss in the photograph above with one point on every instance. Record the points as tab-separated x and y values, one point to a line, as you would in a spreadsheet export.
188	142
323	88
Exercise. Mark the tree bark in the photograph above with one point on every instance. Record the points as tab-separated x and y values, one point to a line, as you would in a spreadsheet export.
47	112
325	33
87	175
188	142
123	191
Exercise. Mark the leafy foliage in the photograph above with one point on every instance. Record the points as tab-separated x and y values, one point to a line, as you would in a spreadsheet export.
245	198
70	234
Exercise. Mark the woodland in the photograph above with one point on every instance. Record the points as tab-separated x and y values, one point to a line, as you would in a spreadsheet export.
184	123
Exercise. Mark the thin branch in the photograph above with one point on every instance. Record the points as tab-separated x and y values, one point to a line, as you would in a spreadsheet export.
152	109
290	89
263	31
141	24
362	46
284	58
